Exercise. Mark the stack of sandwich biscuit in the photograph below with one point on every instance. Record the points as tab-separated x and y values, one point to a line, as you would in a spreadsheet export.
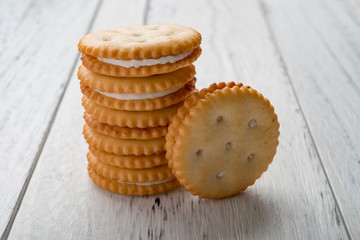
134	78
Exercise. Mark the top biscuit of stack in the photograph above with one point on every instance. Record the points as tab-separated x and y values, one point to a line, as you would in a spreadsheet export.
140	51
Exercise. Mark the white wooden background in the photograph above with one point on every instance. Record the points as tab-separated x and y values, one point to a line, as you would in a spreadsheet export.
303	55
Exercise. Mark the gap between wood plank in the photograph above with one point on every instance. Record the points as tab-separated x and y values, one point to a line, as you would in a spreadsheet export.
326	45
264	12
43	141
147	7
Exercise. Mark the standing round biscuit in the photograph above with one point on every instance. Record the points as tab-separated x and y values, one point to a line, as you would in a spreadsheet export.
221	140
138	51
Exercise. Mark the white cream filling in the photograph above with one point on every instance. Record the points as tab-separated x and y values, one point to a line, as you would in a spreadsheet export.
145	62
147	183
139	96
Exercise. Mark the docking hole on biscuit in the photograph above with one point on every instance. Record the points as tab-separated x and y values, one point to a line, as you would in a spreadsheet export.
106	38
228	146
219	119
251	156
198	152
220	174
252	123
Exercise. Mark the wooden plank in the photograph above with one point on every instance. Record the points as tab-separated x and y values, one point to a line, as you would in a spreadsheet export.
37	55
291	201
322	55
69	159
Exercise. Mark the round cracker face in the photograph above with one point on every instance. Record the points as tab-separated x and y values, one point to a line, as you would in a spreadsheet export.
140	42
224	143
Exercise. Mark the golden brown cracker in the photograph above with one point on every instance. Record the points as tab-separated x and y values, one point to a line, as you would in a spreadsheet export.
225	139
131	119
140	42
124	132
129	161
155	83
139	105
130	189
123	146
94	65
158	173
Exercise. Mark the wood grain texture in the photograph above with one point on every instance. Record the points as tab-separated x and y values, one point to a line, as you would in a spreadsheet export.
292	200
322	55
38	50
